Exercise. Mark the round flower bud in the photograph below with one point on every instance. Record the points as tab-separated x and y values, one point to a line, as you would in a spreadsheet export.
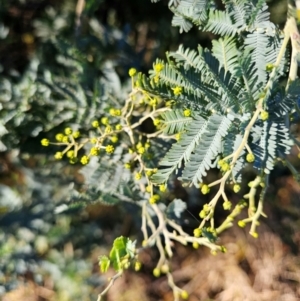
76	134
68	131
45	142
250	158
177	136
132	72
84	160
65	139
264	115
114	139
141	150
156	272
205	189
94	151
70	154
59	137
95	124
118	127
187	113
236	188
254	234
227	205
104	120
127	165
225	167
158	67
94	140
195	245
184	295
137	266
156	122
162	187
241	224
138	176
109	149
197	232
202	214
58	155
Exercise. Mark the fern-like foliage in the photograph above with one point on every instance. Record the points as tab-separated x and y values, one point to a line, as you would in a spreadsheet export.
207	149
232	78
196	149
182	150
174	121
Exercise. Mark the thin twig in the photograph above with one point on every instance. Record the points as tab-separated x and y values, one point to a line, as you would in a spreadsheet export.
111	282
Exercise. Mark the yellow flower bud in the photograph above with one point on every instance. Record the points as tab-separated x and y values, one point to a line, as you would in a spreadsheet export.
197	232
138	176
114	139
156	272
68	131
264	115
184	295
158	67
187	113
94	151
162	187
127	165
84	160
45	142
104	120
70	154
76	134
95	124
195	245
59	137
132	72
58	155
118	127
250	158
137	266
177	90
236	188
205	189
227	205
109	149
241	224
254	234
94	140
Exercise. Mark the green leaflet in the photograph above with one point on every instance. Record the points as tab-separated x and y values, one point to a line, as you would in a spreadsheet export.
174	121
207	149
219	22
104	263
189	12
201	75
257	42
274	141
119	252
122	251
181	151
197	148
237	10
226	52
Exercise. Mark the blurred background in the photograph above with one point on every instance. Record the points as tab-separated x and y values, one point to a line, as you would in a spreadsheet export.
50	253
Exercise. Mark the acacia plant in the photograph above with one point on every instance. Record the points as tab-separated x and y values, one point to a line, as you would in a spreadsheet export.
227	107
